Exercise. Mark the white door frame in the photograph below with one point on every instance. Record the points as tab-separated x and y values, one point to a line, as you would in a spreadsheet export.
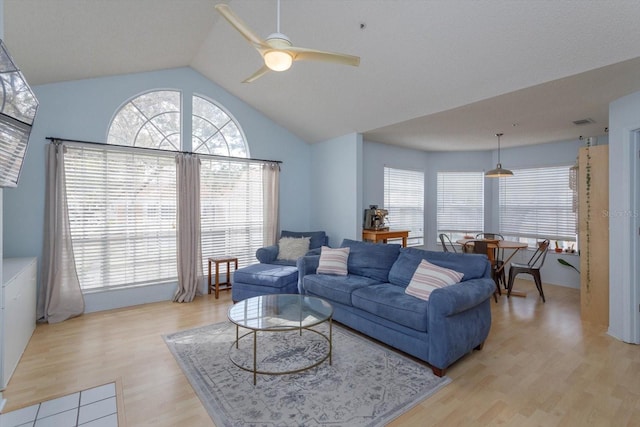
634	252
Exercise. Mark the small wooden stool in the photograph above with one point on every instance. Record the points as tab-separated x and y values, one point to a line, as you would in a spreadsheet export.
227	283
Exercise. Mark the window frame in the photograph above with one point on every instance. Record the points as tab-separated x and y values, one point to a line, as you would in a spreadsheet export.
231	119
161	151
550	184
114	257
415	226
452	227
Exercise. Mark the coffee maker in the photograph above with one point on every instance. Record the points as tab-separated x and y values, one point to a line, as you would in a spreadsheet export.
374	218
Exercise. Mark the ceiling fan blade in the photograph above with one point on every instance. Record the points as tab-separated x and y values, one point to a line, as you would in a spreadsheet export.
304	54
241	26
255	76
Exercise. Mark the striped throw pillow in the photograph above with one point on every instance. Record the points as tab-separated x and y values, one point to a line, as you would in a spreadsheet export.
429	277
333	261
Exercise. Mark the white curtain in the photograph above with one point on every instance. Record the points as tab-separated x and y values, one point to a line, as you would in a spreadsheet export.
271	186
60	296
189	249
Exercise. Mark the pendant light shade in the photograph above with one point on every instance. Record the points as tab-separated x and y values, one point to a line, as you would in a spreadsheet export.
498	172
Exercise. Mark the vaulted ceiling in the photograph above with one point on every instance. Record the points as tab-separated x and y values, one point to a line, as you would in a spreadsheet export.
434	74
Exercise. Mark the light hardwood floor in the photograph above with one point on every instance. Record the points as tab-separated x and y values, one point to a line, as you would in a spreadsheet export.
541	366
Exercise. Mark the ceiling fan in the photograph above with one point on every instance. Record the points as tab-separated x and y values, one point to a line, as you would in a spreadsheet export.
277	50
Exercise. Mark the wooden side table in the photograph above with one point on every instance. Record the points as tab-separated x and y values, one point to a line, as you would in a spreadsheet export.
227	283
382	235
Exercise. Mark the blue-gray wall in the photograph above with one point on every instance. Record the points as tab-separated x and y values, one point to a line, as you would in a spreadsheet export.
324	186
336	171
376	156
83	110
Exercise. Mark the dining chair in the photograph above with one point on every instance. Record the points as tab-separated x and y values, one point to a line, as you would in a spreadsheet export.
532	267
482	246
498	256
447	245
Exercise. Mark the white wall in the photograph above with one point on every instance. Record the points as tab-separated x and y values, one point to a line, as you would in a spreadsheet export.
2	401
624	221
336	174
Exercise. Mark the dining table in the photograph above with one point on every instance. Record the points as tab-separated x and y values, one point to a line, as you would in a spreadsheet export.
510	245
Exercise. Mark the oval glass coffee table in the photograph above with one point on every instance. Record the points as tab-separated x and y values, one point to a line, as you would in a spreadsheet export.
278	314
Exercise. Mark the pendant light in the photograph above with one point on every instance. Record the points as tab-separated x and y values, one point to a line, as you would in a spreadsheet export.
498	172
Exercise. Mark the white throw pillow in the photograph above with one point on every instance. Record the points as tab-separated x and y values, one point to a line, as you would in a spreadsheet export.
333	261
292	248
429	277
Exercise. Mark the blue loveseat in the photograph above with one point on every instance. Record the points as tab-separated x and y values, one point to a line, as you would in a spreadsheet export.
372	299
272	275
269	254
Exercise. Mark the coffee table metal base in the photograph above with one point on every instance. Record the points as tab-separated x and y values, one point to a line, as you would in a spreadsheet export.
254	369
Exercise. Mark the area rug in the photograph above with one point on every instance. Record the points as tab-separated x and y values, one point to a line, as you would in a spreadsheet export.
366	384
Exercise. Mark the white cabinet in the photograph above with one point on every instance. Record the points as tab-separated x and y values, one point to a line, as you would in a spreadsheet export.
19	312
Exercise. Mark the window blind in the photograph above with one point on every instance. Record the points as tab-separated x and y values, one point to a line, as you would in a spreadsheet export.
122	214
538	203
460	202
404	199
231	206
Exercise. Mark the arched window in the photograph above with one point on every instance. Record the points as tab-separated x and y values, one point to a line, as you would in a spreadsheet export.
151	120
215	132
122	201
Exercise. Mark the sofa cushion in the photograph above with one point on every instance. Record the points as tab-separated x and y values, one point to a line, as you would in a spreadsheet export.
391	303
471	265
333	261
335	288
318	238
292	248
275	276
429	277
371	260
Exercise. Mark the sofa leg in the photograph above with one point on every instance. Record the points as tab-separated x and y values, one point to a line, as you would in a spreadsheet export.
479	347
439	372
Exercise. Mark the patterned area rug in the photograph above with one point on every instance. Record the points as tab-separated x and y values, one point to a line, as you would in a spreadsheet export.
366	384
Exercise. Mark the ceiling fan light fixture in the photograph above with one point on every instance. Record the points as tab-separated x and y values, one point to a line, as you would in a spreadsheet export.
498	172
278	60
276	50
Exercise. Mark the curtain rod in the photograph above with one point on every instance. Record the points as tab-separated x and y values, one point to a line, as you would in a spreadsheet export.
60	140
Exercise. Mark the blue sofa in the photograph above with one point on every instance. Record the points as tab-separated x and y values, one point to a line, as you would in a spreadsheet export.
269	254
273	275
372	299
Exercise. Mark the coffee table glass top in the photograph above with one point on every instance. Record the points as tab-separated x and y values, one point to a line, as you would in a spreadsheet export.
280	312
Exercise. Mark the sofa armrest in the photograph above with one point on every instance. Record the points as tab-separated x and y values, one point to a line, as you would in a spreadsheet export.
454	299
306	265
316	251
268	254
459	320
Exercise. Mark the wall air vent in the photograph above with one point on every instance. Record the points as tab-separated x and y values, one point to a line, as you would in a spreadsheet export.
582	122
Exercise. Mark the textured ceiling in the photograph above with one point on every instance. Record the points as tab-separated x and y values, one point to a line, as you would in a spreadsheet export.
434	75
